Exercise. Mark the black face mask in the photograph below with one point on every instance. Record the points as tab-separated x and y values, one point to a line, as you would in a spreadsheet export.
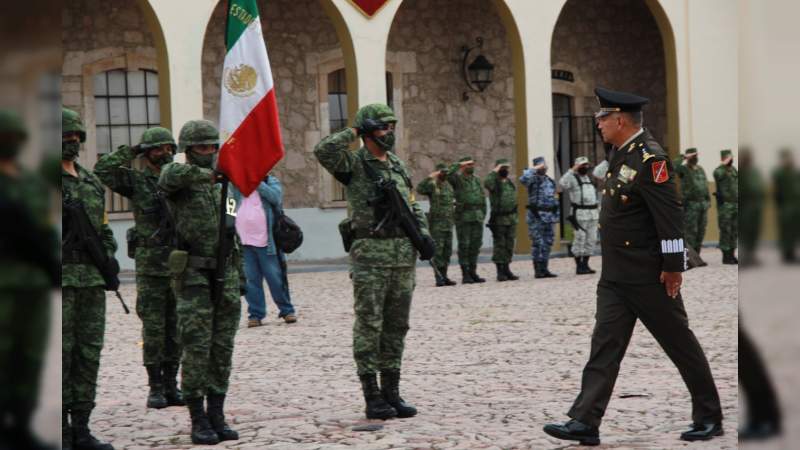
69	150
503	173
441	177
692	160
583	170
541	171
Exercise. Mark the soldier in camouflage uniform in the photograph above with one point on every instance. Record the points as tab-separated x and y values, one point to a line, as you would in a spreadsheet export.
696	201
30	268
83	294
381	259
786	182
206	329
470	213
151	242
542	215
440	220
727	179
503	217
583	198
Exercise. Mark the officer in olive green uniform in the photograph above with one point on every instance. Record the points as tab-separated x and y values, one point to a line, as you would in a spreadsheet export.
786	183
440	220
727	179
206	326
30	268
696	201
382	257
503	217
83	312
150	242
470	213
643	257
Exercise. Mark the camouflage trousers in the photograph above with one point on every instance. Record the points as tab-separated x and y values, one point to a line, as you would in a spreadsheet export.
470	240
206	332
155	306
382	305
542	237
24	329
83	324
728	219
695	219
443	236
584	241
503	243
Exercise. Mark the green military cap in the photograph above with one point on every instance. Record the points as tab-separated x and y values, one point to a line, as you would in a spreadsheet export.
466	159
691	151
725	153
581	160
441	166
71	123
502	162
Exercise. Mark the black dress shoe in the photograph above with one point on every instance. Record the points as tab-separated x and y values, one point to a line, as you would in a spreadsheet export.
702	431
759	431
574	431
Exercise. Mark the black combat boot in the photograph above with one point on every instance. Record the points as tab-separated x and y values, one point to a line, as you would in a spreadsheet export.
447	281
545	271
377	408
537	270
473	270
66	431
439	278
509	273
173	395
466	276
390	389
216	415
501	273
155	399
586	264
700	262
202	433
728	258
82	437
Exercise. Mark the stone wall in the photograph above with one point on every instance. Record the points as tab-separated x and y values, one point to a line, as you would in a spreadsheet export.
615	44
294	30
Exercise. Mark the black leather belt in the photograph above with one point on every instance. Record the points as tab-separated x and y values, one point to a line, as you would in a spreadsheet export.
584	206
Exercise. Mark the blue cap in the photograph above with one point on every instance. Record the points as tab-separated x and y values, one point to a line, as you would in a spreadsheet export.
538	161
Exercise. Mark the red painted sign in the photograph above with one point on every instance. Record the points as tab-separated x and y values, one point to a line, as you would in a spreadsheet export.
660	173
369	7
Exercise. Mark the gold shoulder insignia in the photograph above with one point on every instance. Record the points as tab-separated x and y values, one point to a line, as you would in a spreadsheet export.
646	156
631	147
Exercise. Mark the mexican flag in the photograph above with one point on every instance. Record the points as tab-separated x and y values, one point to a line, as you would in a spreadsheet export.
249	126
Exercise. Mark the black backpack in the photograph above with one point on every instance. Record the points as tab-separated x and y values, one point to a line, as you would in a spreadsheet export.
287	234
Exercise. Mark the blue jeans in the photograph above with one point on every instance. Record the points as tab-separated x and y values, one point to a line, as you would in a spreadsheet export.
258	266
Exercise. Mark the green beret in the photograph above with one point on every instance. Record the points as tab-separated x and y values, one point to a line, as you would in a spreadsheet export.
691	151
502	162
465	159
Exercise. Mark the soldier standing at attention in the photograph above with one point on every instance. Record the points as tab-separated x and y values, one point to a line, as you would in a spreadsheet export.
150	242
583	197
727	179
643	257
382	258
470	213
503	217
440	220
786	182
206	326
542	215
696	201
83	314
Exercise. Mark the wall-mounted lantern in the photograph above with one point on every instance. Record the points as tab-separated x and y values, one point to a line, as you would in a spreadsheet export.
478	74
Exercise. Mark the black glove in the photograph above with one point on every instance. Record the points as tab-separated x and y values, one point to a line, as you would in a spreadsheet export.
428	249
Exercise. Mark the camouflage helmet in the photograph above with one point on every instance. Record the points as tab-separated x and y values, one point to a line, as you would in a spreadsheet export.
375	111
156	137
198	132
71	123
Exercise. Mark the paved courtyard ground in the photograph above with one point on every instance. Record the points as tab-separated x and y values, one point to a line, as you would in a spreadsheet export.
487	365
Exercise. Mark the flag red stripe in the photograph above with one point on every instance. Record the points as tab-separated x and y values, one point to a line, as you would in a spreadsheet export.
254	148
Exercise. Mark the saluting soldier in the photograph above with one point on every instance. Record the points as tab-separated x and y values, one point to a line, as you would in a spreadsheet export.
503	218
583	201
643	257
440	220
470	213
542	215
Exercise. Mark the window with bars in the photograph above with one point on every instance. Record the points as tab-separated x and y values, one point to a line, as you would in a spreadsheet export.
126	104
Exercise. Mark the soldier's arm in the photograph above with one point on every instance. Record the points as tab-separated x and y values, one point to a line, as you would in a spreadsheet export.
489	182
177	176
527	177
107	235
600	170
657	186
426	187
334	154
567	181
454	176
114	170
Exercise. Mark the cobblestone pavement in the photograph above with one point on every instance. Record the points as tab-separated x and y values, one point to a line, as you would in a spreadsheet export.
487	365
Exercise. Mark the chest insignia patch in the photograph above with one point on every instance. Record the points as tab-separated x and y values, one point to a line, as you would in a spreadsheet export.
626	174
660	173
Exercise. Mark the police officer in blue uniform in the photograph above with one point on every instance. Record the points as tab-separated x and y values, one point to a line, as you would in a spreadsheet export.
643	258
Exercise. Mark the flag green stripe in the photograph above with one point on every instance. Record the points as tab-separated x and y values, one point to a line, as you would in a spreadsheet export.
240	14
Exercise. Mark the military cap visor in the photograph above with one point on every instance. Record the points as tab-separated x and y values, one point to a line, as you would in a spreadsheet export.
691	151
502	162
617	101
467	159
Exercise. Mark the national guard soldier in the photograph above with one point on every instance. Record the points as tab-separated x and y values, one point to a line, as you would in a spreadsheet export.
470	213
786	185
440	220
30	268
643	257
542	215
696	201
150	243
83	315
206	325
503	217
584	214
727	179
382	256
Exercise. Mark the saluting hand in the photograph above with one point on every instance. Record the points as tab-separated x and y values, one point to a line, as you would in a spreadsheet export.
672	282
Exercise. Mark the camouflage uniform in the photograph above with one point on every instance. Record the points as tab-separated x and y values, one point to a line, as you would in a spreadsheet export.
786	182
470	214
696	201
382	264
153	241
440	221
503	218
542	215
83	296
727	180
